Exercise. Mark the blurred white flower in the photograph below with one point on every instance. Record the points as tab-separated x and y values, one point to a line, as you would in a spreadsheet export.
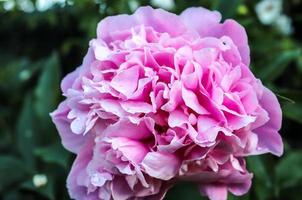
39	180
268	11
165	4
8	5
133	5
43	5
26	5
24	75
284	24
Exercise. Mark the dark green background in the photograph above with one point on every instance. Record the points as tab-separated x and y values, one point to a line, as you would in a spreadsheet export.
38	48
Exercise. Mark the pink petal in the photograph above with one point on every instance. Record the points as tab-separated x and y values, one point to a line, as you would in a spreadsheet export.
176	143
215	192
177	118
78	125
162	21
269	138
237	33
112	106
206	56
207	129
77	177
126	81
69	79
174	97
239	189
133	150
161	165
120	189
231	78
136	107
101	51
70	141
200	19
192	102
127	129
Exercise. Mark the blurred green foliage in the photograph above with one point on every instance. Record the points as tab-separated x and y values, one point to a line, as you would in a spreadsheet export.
39	47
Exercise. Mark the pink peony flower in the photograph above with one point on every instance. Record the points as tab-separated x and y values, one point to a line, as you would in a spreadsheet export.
162	98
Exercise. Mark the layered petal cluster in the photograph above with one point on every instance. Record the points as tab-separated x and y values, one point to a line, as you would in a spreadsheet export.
162	98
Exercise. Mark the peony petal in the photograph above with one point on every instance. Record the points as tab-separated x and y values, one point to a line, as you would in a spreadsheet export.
207	129
229	79
76	179
215	192
126	81
161	165
177	118
69	79
112	106
78	125
120	189
237	33
174	97
241	188
70	141
200	19
133	150
269	138
192	102
158	19
136	107
101	51
125	128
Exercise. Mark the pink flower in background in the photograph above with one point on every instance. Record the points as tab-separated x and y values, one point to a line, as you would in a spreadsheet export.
162	98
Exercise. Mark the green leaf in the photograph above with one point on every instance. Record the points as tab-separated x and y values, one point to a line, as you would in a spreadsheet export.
14	72
288	171
262	183
54	154
295	95
277	65
182	191
12	171
299	63
25	132
48	89
13	195
228	8
293	111
284	98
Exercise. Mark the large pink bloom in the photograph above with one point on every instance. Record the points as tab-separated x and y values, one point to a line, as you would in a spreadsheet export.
162	98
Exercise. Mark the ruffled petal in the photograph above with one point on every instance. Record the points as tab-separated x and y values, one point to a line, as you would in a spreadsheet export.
269	138
70	140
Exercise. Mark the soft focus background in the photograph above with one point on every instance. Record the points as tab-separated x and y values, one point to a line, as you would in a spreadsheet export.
42	40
